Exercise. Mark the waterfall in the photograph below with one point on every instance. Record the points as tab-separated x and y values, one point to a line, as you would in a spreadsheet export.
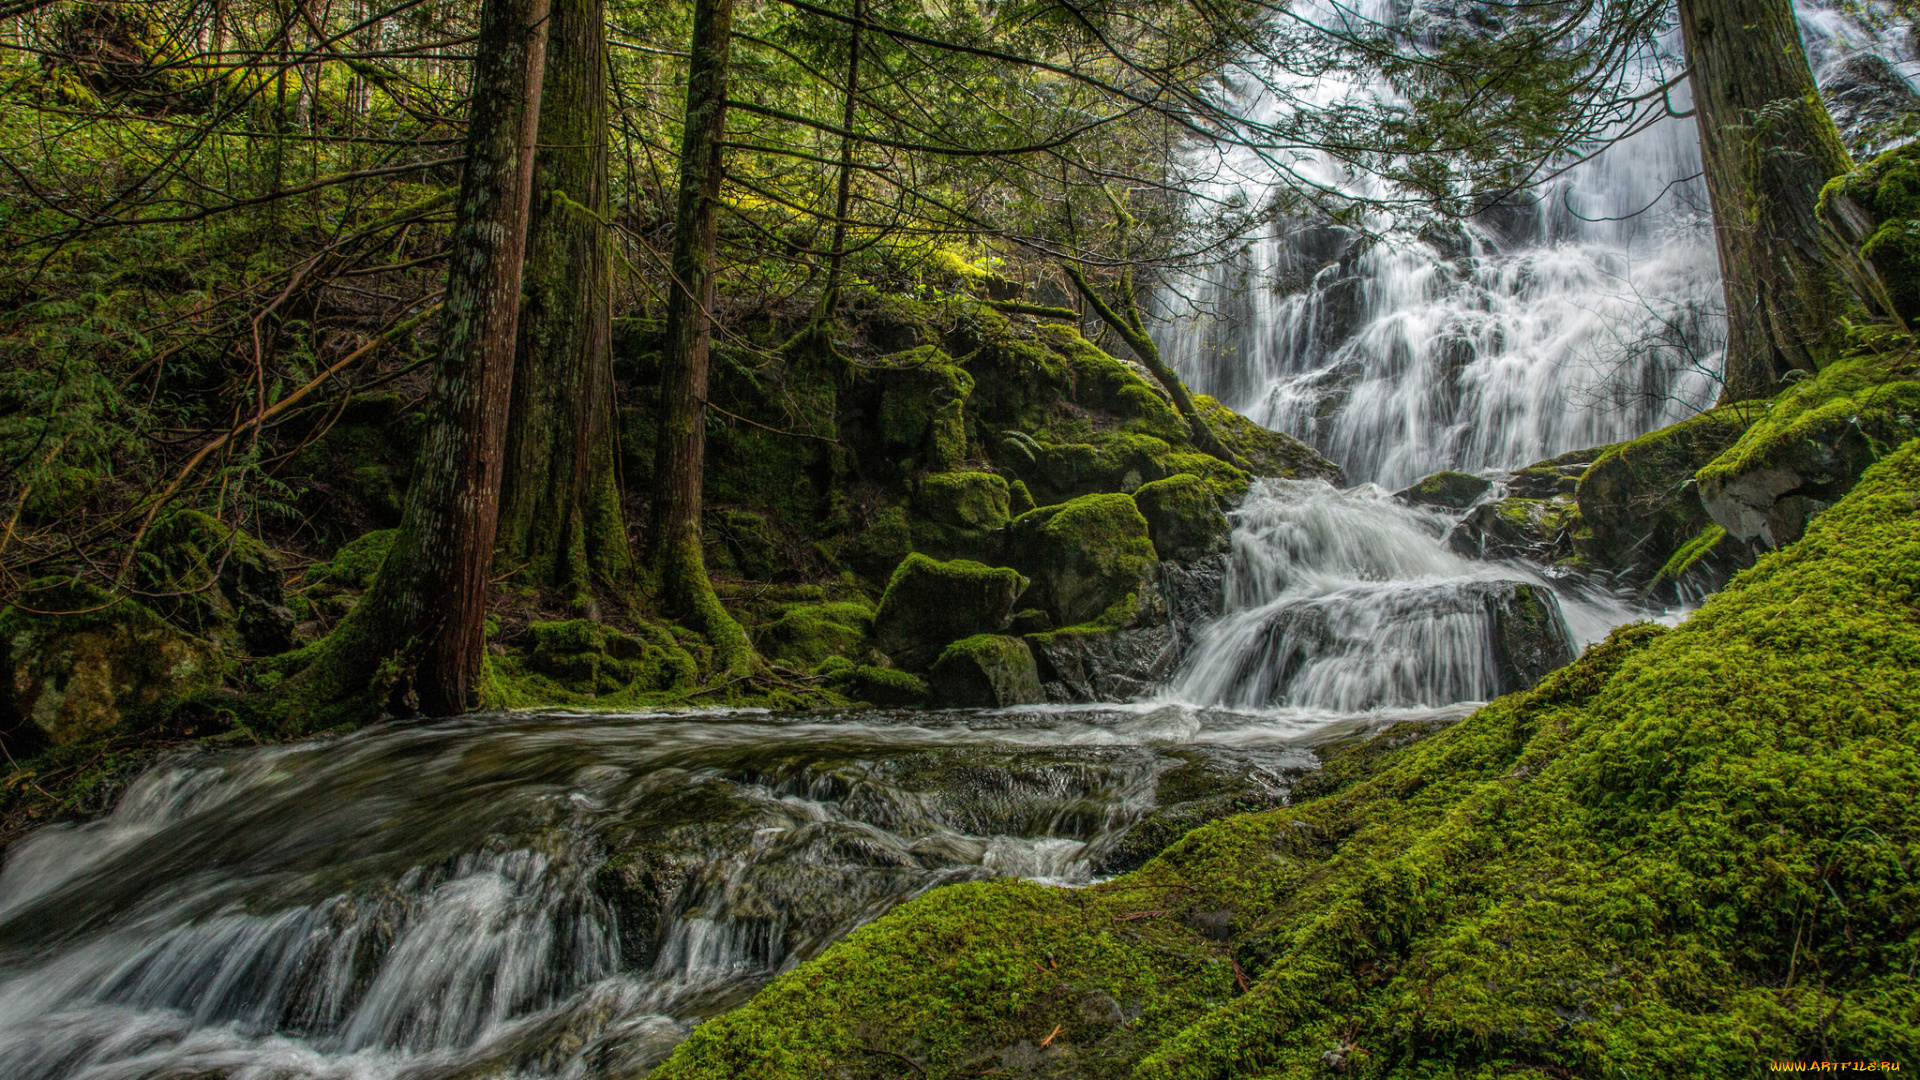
1585	312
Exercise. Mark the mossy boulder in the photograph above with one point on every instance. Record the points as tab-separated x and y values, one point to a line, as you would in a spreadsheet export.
1530	635
985	671
753	548
1267	453
357	561
1807	448
595	660
1445	490
1090	559
1184	518
964	500
1638	502
920	412
1876	207
810	633
216	582
887	687
1677	856
75	677
930	604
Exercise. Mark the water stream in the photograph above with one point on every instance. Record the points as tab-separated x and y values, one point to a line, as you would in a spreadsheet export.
562	896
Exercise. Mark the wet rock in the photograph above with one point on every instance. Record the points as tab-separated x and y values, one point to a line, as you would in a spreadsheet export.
1098	664
1540	530
1638	502
1086	557
1445	491
1530	635
1195	594
75	677
1866	96
930	604
1205	788
985	671
1183	517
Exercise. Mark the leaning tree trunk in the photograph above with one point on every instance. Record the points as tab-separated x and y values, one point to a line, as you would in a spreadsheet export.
1768	146
679	470
419	629
1132	329
561	526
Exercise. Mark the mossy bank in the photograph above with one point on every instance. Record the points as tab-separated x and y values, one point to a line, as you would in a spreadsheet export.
1691	852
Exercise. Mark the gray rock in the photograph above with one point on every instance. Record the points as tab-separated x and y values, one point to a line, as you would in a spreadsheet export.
1530	635
1445	491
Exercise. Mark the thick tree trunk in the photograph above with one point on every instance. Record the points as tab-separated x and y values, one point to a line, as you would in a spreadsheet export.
1769	147
673	539
561	526
1132	330
419	629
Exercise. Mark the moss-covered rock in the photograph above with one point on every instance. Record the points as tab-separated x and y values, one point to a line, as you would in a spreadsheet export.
985	671
881	686
1807	447
1183	517
1090	559
753	549
1541	530
1268	453
965	500
1678	855
1877	207
920	417
930	604
589	659
1445	490
810	633
70	678
216	582
357	561
1638	502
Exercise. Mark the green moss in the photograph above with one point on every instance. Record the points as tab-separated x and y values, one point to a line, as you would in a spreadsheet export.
1888	189
1088	558
1691	553
1635	500
986	671
1266	452
356	563
966	500
922	407
929	603
578	660
1183	517
1688	853
810	633
1019	499
1447	490
881	686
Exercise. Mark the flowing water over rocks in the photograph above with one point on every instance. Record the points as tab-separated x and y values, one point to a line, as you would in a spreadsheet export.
561	895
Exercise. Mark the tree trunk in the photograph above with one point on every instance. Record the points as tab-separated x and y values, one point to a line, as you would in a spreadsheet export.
830	296
679	470
1132	330
419	628
560	521
1768	146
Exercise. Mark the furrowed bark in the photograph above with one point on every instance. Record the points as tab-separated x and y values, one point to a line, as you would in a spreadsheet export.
1768	146
673	538
561	527
418	632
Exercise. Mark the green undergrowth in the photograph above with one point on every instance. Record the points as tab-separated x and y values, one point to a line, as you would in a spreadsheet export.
1689	853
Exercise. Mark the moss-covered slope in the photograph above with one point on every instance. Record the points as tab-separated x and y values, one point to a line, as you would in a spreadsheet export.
1690	853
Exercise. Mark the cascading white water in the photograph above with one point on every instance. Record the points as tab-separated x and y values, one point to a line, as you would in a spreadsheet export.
1344	601
1587	312
432	902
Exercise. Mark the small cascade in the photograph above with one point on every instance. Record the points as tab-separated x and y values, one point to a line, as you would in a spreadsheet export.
1346	601
545	896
